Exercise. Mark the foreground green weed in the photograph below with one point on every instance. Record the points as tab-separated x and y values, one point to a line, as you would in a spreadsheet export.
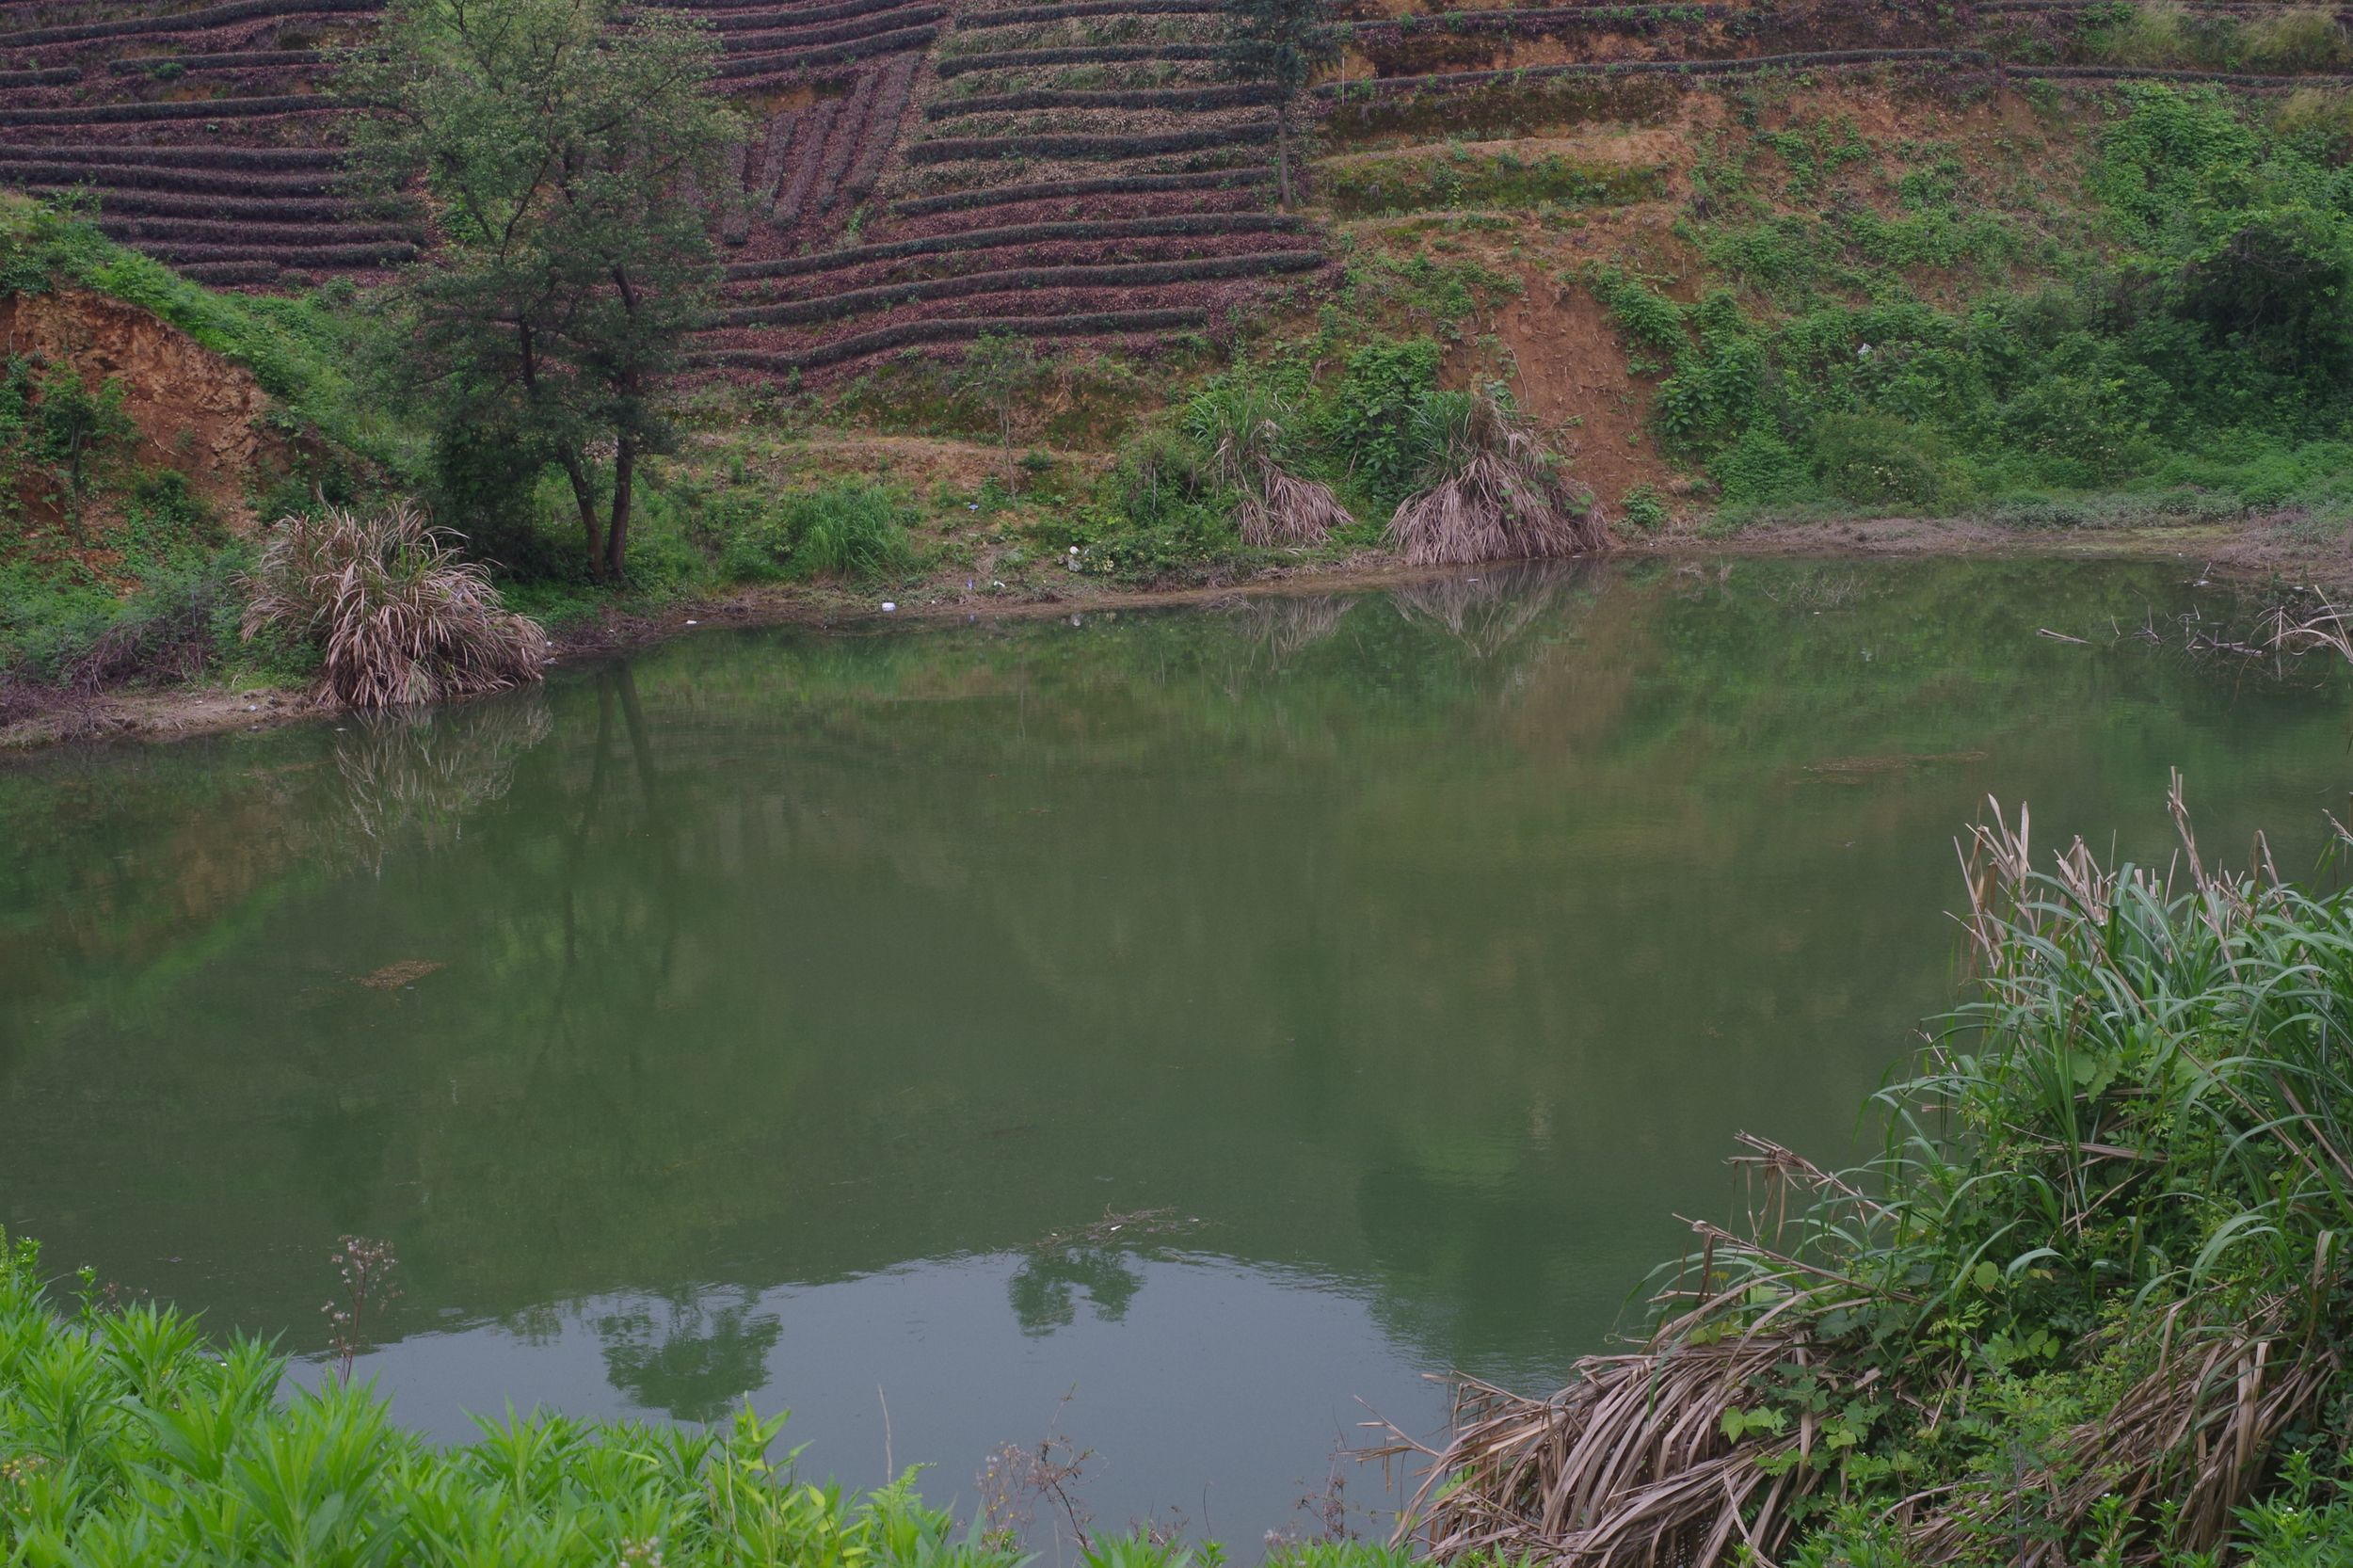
127	1437
2092	1306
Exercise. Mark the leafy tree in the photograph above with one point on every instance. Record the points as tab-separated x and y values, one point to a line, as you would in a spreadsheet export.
999	369
1280	42
59	440
2278	287
559	148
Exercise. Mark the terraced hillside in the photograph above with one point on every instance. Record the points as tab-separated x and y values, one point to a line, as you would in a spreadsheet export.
913	176
921	172
1068	170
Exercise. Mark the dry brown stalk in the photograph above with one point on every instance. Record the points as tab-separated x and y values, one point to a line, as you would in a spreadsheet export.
1494	494
400	616
1285	509
1629	1464
1277	507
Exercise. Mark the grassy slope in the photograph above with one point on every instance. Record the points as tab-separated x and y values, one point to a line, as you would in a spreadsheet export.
1799	297
1789	297
138	575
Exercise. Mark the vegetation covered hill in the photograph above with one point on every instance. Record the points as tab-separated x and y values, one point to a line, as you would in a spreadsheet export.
2052	265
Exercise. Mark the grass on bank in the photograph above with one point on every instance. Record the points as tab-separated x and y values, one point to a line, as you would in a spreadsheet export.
2091	1307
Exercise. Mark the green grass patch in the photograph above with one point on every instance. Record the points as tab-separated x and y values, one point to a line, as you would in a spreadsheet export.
1888	329
1456	179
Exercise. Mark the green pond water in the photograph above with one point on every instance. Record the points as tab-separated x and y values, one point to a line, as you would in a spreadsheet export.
753	1015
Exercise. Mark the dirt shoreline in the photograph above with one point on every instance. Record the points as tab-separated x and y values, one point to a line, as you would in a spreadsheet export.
185	712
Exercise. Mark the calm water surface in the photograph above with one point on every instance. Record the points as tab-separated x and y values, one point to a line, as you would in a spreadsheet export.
796	1017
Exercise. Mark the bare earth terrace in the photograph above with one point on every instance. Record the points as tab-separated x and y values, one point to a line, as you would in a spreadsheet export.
918	172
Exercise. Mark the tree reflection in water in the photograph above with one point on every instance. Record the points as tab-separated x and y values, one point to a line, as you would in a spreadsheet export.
1043	1289
698	1361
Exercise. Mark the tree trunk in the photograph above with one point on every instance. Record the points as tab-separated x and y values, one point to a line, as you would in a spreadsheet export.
617	538
1283	154
584	497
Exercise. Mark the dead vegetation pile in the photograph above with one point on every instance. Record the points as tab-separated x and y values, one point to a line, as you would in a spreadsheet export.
1490	491
399	614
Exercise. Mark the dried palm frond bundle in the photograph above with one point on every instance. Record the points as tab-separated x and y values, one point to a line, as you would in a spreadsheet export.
399	616
1490	491
1246	431
2080	1309
1281	509
1649	1457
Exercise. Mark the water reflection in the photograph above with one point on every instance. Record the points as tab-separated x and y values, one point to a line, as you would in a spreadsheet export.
686	1354
1489	612
738	1018
1044	1287
1268	1367
419	774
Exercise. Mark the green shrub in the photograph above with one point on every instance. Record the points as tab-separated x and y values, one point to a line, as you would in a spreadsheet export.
2277	288
1759	467
1874	460
69	439
1183	544
1644	507
2204	314
1372	426
47	624
1159	473
1643	313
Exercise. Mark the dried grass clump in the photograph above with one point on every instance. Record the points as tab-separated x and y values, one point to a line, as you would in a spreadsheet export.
399	616
1245	432
1491	492
2075	1313
2153	33
1284	509
2304	38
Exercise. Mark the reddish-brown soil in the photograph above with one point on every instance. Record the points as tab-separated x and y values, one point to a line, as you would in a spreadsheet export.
197	413
1568	371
